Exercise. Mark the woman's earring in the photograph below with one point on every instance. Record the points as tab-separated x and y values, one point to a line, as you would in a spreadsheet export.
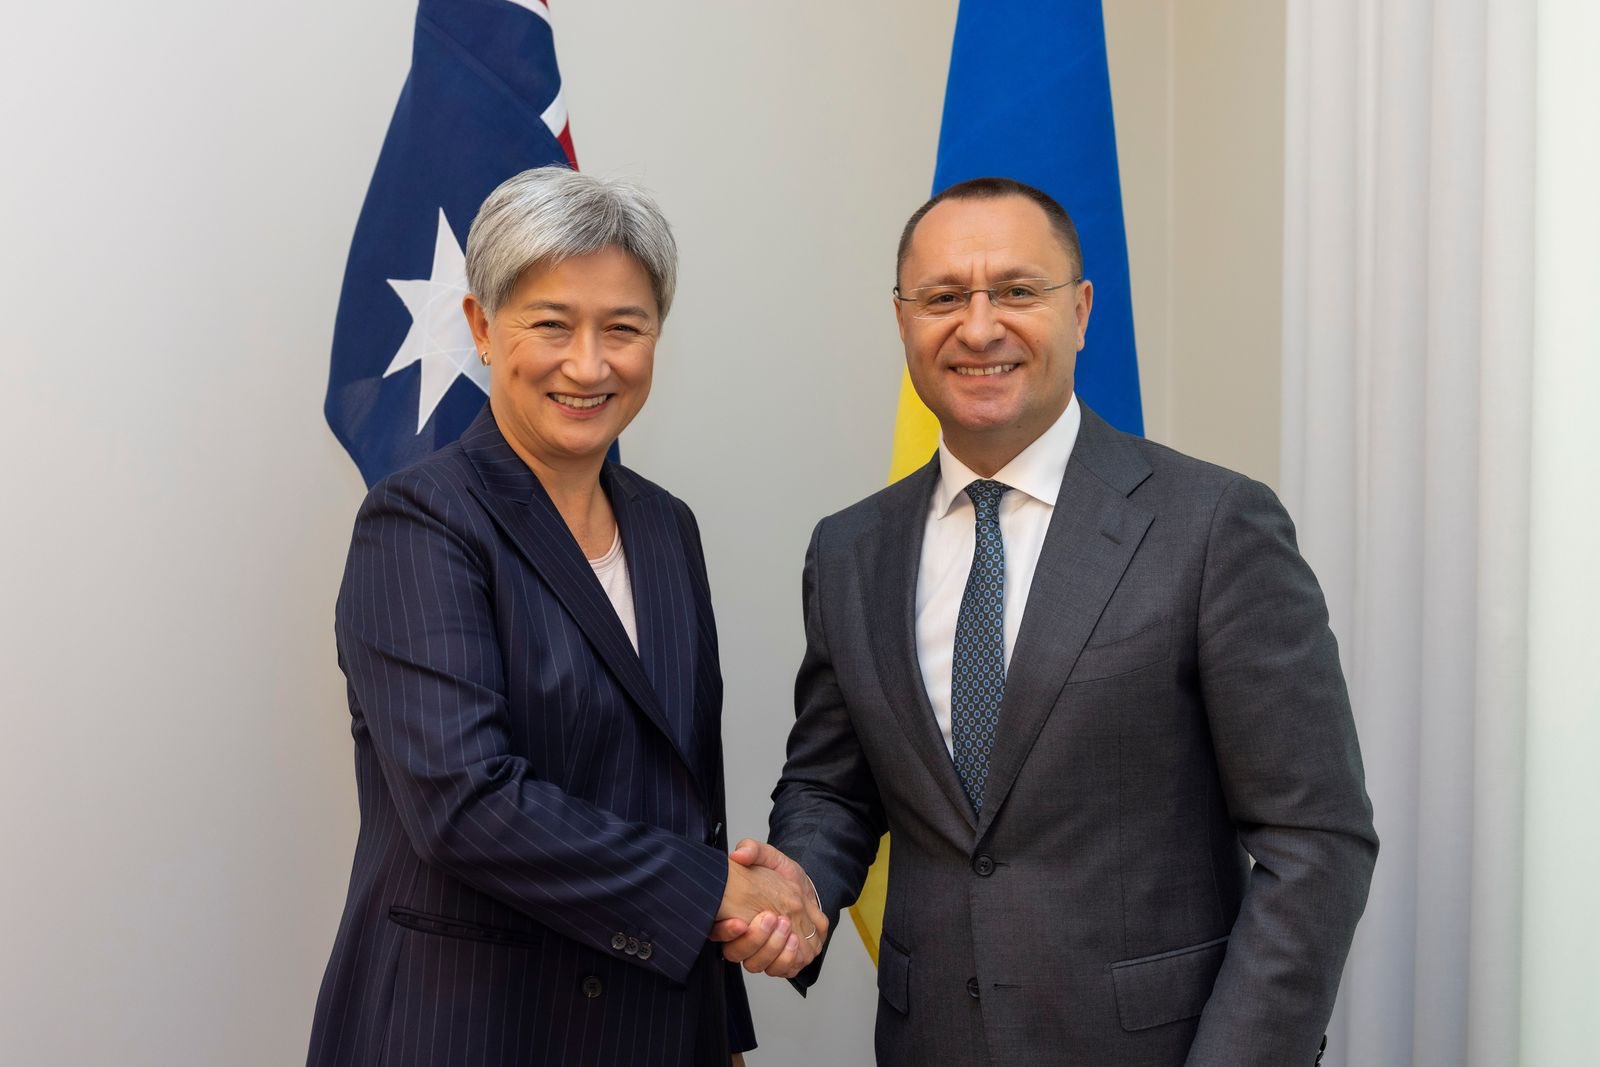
484	355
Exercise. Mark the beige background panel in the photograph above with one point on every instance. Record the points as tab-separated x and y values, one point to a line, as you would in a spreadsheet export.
1198	92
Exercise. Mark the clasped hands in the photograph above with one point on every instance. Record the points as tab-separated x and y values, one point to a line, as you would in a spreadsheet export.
769	919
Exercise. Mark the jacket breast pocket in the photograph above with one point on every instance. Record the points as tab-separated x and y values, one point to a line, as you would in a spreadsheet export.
1156	990
1123	655
894	975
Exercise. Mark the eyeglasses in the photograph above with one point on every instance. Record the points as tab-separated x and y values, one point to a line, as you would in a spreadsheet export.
1018	294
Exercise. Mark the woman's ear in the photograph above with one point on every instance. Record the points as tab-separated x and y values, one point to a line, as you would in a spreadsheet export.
478	323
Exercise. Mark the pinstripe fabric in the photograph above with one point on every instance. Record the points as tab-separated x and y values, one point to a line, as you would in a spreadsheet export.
541	851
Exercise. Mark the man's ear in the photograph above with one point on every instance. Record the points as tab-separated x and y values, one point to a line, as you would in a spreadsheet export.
1080	309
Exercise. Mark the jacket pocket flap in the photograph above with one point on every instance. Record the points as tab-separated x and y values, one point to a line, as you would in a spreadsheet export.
1161	989
1123	655
894	975
449	926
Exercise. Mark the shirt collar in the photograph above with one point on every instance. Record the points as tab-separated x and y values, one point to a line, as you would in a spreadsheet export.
1037	470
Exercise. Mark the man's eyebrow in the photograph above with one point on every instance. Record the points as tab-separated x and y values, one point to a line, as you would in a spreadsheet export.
999	277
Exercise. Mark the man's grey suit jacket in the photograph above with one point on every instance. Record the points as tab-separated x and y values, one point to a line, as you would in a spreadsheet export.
1174	707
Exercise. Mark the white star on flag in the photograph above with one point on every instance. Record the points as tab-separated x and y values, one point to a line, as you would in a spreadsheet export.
439	338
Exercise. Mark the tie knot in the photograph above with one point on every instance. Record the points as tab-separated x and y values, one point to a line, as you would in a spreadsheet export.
986	496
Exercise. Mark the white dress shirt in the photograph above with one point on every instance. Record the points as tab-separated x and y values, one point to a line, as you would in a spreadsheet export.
1034	476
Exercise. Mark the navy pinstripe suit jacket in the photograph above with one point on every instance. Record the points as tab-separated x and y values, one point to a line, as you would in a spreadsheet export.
542	851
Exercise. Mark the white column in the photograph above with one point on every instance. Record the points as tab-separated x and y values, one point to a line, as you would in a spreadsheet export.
1560	991
1505	318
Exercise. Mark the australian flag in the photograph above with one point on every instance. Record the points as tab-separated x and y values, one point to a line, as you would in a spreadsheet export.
481	103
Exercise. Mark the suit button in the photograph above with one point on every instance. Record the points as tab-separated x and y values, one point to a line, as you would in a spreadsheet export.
972	988
633	946
984	866
646	950
592	987
619	941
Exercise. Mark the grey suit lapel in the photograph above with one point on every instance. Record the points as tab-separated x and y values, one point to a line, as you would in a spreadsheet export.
889	559
1093	534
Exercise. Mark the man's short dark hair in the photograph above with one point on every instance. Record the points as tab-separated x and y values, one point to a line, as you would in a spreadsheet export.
997	189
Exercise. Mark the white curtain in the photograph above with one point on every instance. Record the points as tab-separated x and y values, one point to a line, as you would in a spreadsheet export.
1440	414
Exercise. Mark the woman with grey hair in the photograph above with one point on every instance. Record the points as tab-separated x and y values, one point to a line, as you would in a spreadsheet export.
527	636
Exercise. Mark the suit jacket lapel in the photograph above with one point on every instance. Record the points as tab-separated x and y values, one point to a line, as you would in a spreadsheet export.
665	613
1093	534
889	562
530	521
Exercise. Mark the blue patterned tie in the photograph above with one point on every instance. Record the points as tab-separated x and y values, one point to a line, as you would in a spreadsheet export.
978	669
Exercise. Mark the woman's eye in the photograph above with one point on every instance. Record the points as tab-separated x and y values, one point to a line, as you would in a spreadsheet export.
623	327
549	324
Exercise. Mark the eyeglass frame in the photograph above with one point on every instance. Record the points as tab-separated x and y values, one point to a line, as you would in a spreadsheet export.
968	294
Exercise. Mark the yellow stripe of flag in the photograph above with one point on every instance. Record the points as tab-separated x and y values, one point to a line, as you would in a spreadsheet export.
916	435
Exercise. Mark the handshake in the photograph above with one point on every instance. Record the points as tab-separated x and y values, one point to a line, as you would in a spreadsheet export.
770	919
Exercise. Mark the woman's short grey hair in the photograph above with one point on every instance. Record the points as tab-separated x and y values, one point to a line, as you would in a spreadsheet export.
549	214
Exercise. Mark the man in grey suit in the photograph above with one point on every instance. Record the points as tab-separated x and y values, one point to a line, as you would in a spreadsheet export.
1083	681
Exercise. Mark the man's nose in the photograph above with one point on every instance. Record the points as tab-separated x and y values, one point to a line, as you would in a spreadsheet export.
980	325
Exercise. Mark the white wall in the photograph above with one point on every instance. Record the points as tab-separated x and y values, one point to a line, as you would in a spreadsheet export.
179	187
180	183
